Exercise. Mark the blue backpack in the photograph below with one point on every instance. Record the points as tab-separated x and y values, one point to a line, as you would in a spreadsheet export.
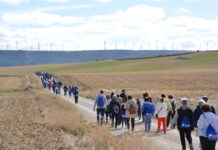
185	122
124	114
100	101
211	132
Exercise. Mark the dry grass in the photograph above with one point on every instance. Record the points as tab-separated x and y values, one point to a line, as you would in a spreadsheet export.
9	83
37	119
60	114
182	83
99	138
34	119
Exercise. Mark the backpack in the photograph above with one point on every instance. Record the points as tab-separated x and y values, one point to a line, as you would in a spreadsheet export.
132	110
173	105
123	115
185	123
49	84
116	109
100	101
211	132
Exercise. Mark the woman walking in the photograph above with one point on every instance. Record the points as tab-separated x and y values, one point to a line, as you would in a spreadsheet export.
184	120
123	115
131	112
208	128
161	114
107	110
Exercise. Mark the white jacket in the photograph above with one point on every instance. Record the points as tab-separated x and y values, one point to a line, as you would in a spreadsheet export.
127	107
161	109
203	122
108	101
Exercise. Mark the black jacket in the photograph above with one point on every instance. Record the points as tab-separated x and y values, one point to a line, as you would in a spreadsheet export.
196	115
112	104
181	114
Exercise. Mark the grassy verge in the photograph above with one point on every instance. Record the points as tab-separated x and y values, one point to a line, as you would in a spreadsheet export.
36	119
201	60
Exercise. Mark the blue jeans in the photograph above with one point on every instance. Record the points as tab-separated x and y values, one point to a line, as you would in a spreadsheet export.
100	111
147	122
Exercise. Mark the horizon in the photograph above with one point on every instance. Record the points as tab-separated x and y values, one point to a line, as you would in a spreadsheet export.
72	25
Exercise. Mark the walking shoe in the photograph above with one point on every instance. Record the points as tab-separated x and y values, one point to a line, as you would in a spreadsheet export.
191	147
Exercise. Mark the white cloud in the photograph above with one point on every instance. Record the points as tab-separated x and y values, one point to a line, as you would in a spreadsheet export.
38	18
139	25
183	10
13	1
104	1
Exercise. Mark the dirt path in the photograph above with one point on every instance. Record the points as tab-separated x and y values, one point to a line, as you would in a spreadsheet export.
169	141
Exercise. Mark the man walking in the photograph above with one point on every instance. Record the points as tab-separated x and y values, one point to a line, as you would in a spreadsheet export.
114	109
100	102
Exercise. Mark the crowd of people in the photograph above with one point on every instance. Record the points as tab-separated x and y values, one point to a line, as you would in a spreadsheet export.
57	86
122	110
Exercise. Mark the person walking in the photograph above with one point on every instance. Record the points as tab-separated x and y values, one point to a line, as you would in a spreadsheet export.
197	112
111	95
123	94
69	91
49	85
73	90
184	120
100	102
142	102
119	99
212	108
161	114
54	87
107	108
131	112
65	90
207	128
115	110
171	112
151	101
58	91
148	111
139	110
123	115
76	96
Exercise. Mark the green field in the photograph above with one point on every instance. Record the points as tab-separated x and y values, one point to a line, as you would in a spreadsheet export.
190	61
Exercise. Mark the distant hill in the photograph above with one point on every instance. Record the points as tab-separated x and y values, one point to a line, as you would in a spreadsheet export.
20	58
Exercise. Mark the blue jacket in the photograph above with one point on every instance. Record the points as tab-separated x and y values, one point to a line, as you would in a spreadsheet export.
148	108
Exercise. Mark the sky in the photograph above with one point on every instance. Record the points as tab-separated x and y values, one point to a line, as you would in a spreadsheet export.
108	24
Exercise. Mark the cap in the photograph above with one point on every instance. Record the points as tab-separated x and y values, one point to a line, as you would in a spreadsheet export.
170	96
201	102
184	101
